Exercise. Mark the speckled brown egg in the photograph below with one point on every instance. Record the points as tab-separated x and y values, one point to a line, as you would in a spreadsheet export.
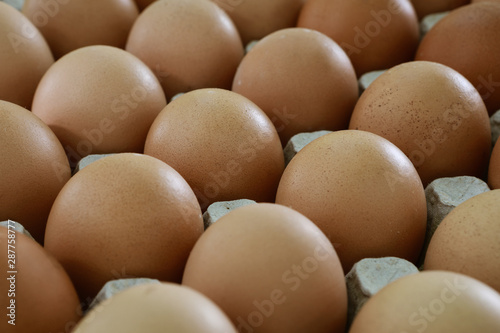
189	44
425	7
431	302
301	79
433	114
468	240
99	99
156	308
33	168
24	57
71	24
34	287
258	18
123	216
468	40
221	143
376	34
271	270
494	169
362	192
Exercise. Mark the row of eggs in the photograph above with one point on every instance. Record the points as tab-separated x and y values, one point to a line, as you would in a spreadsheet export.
134	212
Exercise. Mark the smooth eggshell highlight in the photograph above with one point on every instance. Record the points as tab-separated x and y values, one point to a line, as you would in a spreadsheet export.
189	44
431	302
99	100
156	308
271	270
362	192
123	216
221	143
468	240
33	169
301	79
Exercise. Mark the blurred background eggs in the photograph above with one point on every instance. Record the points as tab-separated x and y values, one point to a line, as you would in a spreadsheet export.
189	44
494	169
301	79
468	40
376	34
258	18
99	99
24	57
143	3
425	7
71	24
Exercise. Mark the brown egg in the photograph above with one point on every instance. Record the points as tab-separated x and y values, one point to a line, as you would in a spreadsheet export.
375	34
494	169
433	114
33	168
221	143
71	24
468	40
143	3
24	57
189	44
156	308
258	18
271	270
362	192
126	215
301	79
99	99
37	294
426	7
431	302
468	240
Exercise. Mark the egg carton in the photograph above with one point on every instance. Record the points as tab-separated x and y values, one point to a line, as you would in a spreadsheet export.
369	275
15	3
